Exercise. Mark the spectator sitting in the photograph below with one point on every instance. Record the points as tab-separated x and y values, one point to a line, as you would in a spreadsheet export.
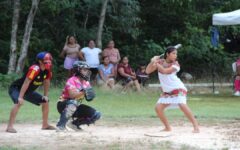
106	73
142	76
126	75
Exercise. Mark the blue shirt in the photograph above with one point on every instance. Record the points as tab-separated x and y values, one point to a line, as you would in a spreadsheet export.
106	71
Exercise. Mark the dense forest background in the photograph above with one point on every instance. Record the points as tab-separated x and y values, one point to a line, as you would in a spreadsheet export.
140	29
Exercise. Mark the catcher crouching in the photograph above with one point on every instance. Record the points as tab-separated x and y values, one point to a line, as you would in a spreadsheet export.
69	105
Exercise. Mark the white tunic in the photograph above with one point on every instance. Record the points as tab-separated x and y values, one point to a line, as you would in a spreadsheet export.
169	83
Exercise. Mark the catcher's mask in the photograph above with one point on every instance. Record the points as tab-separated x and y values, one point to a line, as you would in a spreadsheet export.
81	69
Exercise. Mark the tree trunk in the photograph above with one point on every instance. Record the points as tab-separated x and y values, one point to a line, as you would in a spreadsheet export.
26	36
13	45
101	23
85	25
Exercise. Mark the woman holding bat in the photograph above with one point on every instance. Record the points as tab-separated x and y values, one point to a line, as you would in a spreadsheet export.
174	91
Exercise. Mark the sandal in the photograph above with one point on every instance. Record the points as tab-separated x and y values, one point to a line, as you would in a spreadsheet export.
49	127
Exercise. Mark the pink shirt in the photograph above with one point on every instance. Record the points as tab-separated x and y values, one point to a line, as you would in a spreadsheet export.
74	84
238	62
238	67
112	54
72	52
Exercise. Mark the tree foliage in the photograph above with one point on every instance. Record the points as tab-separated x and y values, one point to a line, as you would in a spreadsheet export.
140	29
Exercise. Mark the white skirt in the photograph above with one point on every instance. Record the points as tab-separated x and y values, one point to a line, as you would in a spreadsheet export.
174	101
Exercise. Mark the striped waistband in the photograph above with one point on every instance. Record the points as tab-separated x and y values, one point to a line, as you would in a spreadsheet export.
175	92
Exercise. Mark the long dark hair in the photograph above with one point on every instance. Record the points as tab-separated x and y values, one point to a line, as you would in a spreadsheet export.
169	50
70	37
123	58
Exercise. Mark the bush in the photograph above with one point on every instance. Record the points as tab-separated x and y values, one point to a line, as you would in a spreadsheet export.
7	79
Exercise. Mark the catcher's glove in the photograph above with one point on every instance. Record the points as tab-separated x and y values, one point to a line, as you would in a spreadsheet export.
89	94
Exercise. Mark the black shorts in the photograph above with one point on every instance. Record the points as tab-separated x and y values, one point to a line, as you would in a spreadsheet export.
124	81
81	111
94	73
32	97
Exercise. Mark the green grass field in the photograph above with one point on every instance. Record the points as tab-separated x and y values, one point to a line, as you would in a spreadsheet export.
131	109
116	106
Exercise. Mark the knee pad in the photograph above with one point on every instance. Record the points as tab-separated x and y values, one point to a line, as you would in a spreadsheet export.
70	110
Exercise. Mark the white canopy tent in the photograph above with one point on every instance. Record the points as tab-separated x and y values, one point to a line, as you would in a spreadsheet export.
222	19
229	18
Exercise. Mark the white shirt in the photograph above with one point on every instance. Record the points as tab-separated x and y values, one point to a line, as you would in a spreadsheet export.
92	56
170	82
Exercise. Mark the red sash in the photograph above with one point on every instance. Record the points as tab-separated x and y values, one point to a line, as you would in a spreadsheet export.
175	92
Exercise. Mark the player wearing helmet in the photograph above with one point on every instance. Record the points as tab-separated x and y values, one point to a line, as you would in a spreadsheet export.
69	105
24	89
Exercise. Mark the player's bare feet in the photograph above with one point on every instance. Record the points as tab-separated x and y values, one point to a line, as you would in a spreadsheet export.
166	130
48	127
11	130
196	130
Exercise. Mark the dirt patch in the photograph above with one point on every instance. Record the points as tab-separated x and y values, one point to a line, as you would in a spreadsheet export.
100	136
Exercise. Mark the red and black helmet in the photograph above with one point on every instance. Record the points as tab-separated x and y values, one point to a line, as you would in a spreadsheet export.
46	58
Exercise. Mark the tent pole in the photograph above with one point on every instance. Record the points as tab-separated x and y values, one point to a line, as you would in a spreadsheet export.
214	41
213	71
